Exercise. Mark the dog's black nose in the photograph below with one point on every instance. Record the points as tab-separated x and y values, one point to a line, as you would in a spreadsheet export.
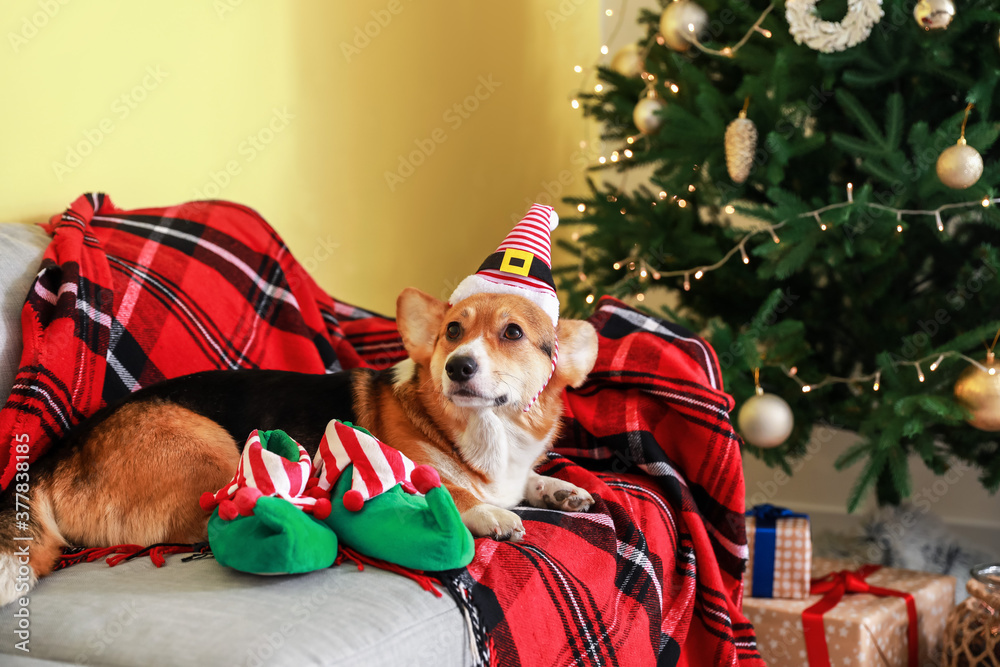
460	369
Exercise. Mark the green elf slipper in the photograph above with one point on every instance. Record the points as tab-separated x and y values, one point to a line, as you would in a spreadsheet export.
267	520
376	509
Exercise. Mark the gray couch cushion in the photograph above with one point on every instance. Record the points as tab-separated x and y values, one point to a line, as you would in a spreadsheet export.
201	613
21	249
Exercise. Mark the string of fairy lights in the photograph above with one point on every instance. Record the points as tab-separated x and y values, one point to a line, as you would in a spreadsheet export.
635	264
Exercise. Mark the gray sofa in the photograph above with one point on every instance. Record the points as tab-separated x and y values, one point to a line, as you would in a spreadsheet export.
199	613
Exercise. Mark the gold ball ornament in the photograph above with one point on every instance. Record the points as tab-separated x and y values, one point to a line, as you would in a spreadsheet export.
934	14
979	392
628	61
765	420
677	20
960	166
646	114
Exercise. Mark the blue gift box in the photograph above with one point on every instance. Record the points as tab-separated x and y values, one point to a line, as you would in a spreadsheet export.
780	553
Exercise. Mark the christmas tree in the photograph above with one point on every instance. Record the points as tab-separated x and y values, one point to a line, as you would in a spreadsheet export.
866	285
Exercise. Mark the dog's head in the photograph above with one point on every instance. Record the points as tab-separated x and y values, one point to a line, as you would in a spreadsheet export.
493	351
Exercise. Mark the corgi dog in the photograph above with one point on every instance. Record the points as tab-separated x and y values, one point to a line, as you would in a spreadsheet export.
478	399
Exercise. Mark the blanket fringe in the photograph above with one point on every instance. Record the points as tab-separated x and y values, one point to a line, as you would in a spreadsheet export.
123	552
426	581
480	642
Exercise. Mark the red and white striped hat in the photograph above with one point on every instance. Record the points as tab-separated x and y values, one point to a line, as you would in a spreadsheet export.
262	472
377	467
522	264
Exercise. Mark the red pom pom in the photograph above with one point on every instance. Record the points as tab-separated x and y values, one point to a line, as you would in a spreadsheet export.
322	508
227	510
207	501
246	500
408	487
353	500
317	492
311	482
425	478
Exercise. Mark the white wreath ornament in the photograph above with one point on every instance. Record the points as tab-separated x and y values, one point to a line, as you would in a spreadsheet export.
832	36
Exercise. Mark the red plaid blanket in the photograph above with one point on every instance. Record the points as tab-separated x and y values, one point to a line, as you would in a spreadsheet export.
650	576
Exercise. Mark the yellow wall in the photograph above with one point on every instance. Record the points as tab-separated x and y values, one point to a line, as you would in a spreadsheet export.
162	97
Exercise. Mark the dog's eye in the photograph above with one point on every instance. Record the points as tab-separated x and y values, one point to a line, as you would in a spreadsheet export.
453	331
512	332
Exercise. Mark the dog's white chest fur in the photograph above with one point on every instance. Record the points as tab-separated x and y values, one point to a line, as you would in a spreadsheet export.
504	452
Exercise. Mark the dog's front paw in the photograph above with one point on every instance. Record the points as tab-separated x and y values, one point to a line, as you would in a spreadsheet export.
490	521
557	494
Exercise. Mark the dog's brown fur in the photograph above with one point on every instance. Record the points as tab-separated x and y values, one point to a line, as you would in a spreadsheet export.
136	476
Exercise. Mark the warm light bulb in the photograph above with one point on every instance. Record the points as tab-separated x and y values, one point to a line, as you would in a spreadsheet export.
604	49
681	203
630	140
774	237
617	265
656	275
640	297
746	260
940	223
628	153
730	209
936	363
698	274
765	32
602	159
986	202
663	194
590	298
598	88
690	27
878	376
899	228
643	273
850	192
631	266
577	69
992	371
623	211
614	156
608	12
674	88
581	207
575	104
806	389
691	188
575	236
687	283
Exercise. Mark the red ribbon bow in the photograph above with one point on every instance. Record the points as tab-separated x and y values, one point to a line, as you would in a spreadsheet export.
833	587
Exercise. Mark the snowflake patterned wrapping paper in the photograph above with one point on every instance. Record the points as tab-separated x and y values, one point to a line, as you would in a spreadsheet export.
861	626
779	562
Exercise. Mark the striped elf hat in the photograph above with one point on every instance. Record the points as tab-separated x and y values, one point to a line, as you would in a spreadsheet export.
522	264
377	467
269	471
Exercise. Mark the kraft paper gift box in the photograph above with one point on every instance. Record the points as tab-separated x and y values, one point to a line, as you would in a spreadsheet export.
862	629
780	546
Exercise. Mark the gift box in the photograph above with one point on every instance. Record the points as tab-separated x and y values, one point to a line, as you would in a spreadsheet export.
863	617
780	547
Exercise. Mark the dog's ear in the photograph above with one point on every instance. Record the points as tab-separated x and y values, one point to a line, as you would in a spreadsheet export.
577	351
418	316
